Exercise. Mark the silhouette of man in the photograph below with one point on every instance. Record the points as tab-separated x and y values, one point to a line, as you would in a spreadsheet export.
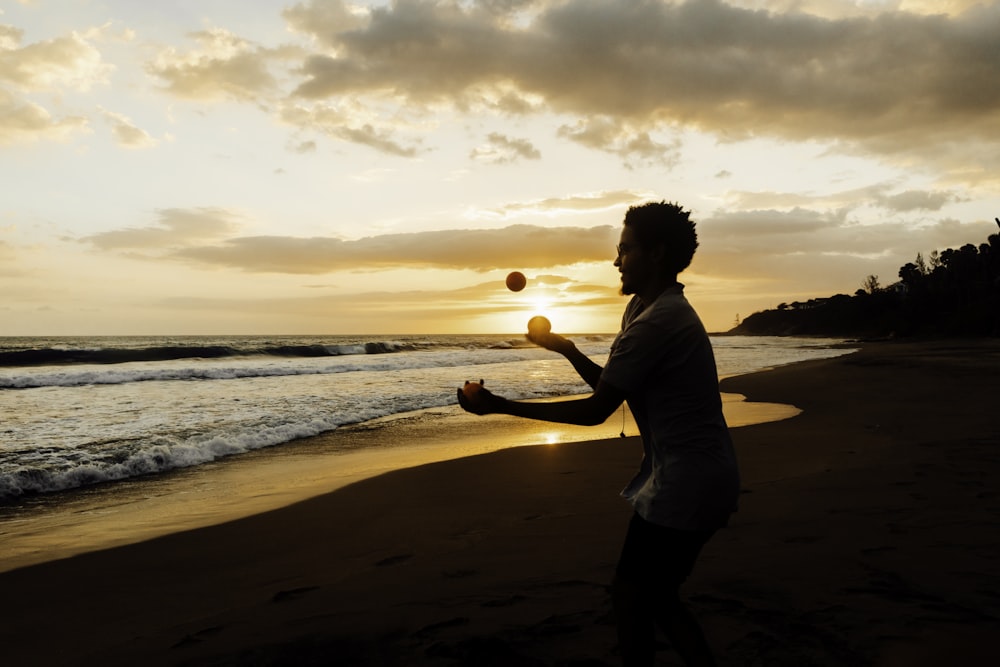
662	364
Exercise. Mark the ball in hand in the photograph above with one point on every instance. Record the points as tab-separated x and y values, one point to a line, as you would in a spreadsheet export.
471	389
539	324
516	281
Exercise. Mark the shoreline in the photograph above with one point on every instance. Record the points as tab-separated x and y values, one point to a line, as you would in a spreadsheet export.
866	536
142	508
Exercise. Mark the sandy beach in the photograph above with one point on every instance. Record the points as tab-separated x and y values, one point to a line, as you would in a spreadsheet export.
868	534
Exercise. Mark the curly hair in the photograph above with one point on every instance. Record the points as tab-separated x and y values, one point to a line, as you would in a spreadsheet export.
667	224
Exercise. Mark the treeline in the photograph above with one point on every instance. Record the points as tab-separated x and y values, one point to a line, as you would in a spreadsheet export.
952	293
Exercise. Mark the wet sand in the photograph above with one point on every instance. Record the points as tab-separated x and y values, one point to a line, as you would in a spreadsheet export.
868	534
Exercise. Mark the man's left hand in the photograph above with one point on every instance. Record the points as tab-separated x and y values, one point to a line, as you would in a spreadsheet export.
477	399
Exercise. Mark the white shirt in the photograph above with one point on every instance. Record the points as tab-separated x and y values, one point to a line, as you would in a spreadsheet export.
663	362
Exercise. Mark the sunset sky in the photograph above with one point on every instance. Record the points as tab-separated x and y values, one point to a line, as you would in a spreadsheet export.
325	167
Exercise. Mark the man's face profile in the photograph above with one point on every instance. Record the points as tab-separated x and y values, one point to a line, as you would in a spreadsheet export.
633	263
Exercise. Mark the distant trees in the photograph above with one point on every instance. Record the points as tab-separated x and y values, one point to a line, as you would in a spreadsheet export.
954	292
870	285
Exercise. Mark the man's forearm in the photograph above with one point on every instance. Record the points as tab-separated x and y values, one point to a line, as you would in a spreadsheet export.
584	365
581	411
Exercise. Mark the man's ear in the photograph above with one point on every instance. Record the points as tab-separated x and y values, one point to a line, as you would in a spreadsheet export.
658	252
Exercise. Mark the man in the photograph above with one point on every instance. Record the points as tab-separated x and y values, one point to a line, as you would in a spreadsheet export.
662	363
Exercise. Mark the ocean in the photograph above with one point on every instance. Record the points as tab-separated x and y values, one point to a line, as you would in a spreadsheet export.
83	411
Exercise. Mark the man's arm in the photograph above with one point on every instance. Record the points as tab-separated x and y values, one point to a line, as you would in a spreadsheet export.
589	411
585	367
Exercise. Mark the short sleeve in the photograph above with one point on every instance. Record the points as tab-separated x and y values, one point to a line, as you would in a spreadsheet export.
636	355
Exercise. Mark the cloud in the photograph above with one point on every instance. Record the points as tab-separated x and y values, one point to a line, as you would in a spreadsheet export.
895	83
501	149
10	37
813	249
67	62
126	134
634	146
61	64
437	49
878	195
324	20
908	81
303	147
224	66
741	200
208	236
943	234
176	227
351	123
918	200
596	201
769	231
530	247
767	234
953	7
838	9
23	121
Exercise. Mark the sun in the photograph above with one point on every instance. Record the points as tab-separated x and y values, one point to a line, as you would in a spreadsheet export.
565	314
524	309
540	306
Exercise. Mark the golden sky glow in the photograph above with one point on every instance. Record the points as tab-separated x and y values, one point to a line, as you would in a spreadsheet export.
332	167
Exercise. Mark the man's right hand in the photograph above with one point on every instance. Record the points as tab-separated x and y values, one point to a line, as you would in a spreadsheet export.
551	341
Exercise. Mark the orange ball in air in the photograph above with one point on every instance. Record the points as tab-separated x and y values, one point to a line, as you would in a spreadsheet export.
516	281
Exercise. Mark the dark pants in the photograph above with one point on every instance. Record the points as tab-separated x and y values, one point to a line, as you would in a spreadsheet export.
654	562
